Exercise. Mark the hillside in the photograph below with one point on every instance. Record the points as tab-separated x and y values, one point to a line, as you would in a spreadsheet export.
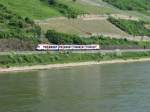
90	6
136	28
19	20
34	9
82	26
14	26
37	9
16	31
132	5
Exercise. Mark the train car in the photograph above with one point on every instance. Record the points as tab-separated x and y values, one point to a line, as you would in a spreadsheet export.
47	47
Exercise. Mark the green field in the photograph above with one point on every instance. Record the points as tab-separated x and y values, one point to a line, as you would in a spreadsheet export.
40	10
14	26
30	8
136	28
94	7
36	9
101	7
82	27
137	5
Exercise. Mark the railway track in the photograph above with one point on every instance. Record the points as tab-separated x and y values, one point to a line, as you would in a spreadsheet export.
79	51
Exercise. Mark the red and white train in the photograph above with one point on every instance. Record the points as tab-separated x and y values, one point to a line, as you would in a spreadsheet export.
47	47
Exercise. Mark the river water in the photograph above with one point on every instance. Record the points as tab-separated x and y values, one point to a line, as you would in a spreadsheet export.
98	88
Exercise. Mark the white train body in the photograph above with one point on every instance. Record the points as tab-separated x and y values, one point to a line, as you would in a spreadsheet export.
47	47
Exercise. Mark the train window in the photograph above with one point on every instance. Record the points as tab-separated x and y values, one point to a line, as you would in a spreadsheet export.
90	47
45	46
52	46
66	46
77	46
60	46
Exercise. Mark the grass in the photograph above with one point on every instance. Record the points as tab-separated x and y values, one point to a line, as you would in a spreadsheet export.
136	28
91	8
35	59
82	27
34	9
135	5
14	26
101	7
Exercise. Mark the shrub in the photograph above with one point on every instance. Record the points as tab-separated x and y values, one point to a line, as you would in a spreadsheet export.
135	28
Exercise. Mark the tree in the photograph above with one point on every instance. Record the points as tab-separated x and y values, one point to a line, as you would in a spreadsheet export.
51	2
74	0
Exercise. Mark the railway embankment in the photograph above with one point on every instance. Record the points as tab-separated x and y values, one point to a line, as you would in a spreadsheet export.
22	62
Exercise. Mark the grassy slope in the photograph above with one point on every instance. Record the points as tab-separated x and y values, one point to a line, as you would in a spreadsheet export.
89	7
132	27
14	26
82	27
31	8
38	10
101	7
137	5
139	8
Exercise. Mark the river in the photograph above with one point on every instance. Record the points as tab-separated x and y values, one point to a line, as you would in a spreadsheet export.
99	88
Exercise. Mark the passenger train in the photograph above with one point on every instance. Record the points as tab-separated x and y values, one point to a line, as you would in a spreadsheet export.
47	47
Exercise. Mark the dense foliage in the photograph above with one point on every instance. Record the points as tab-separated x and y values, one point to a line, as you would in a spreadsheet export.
105	42
14	26
139	5
136	28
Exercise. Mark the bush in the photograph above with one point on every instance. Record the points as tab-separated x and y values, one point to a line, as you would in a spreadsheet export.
139	5
61	38
135	28
14	26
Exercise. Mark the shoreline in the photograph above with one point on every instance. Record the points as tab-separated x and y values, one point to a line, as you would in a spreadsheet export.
50	66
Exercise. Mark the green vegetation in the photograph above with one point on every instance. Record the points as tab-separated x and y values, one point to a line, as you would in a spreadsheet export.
34	9
66	10
34	59
82	27
138	5
105	42
40	9
14	26
89	7
136	28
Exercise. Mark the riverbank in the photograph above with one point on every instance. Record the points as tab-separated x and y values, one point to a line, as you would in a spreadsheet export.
24	62
50	66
